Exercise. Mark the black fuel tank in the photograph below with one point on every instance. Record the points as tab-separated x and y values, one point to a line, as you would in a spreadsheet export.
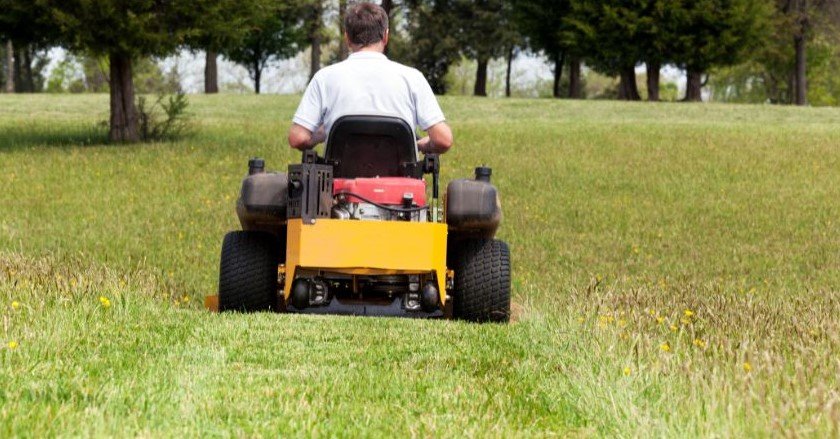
472	208
262	201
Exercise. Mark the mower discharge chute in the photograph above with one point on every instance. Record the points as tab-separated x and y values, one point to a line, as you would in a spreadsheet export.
353	233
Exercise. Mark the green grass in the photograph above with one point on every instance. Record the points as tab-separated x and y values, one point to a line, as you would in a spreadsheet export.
620	217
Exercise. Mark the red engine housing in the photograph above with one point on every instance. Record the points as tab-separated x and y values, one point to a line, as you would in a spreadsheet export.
382	190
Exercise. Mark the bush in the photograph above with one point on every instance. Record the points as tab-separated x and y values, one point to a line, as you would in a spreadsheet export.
169	125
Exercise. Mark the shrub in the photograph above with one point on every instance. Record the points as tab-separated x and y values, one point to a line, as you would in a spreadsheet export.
171	124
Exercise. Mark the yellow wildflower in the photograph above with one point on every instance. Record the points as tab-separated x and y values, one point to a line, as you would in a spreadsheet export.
581	319
185	299
674	328
688	313
699	343
627	371
660	319
665	347
15	304
747	367
13	345
106	302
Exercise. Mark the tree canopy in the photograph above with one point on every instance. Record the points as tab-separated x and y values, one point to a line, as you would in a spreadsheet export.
279	31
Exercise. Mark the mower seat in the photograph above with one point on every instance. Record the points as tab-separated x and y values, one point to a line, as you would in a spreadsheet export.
371	146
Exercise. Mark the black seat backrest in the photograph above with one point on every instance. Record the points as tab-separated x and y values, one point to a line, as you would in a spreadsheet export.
370	146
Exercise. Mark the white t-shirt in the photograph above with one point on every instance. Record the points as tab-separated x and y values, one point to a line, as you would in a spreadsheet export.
367	83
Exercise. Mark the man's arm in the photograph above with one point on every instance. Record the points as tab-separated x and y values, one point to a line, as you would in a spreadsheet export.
307	128
438	141
301	138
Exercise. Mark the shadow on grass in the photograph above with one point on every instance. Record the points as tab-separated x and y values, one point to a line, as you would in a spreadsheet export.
29	135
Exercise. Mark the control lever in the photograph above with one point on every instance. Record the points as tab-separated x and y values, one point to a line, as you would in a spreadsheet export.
431	165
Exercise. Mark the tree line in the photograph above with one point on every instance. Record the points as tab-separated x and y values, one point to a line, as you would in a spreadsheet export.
774	38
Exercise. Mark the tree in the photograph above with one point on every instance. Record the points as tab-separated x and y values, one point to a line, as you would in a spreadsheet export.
800	19
654	36
277	34
771	73
223	27
435	45
609	32
26	32
713	33
8	67
316	35
544	25
343	50
28	68
484	30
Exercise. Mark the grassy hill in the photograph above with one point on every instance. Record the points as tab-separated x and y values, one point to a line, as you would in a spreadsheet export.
676	272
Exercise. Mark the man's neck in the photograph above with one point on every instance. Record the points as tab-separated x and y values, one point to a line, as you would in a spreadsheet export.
375	48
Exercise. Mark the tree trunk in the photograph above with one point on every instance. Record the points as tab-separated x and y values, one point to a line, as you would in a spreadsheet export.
22	71
800	73
257	77
124	127
575	85
17	74
211	72
628	90
10	67
388	5
509	68
28	78
481	78
559	60
791	88
693	86
342	44
315	39
653	68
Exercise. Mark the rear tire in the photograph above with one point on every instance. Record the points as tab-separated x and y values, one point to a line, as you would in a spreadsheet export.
482	280
248	272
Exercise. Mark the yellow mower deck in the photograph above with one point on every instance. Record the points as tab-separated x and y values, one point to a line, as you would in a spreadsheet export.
363	248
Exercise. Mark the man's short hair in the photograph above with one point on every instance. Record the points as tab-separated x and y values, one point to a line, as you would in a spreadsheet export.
365	24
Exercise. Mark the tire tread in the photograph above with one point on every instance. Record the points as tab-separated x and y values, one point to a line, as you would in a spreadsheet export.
248	271
482	280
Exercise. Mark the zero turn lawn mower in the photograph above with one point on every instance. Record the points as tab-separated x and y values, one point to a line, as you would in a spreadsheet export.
353	233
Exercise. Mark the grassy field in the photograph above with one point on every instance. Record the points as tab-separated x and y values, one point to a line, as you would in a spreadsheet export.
676	273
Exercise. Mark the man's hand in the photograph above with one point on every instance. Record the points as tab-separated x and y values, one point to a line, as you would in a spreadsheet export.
438	141
301	138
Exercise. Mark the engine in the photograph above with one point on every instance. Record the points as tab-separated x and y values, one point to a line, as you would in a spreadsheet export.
380	199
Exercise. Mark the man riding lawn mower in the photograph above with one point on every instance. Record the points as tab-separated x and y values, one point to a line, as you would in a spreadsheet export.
352	232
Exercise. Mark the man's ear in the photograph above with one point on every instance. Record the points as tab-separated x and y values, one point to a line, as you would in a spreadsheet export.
387	37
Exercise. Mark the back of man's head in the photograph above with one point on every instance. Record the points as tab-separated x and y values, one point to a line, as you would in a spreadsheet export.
365	24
